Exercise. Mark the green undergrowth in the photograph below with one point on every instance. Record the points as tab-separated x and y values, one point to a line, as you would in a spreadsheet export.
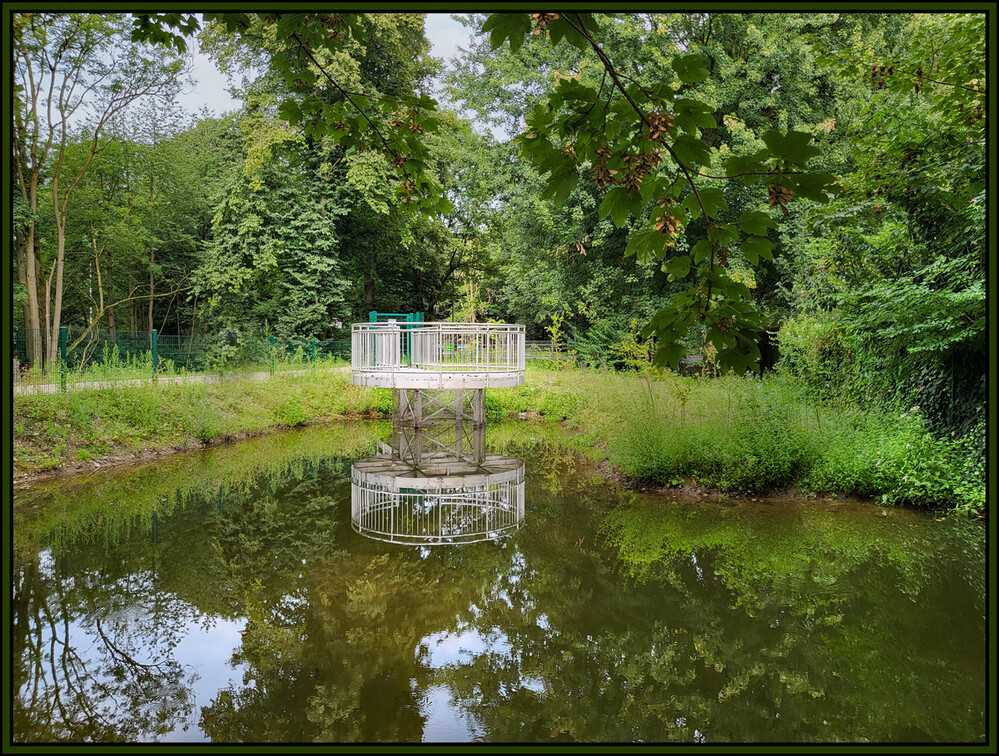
51	430
737	435
753	436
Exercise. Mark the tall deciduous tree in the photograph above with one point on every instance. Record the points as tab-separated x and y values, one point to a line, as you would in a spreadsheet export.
71	70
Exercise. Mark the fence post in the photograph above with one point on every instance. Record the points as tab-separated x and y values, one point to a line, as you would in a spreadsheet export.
155	359
63	331
313	354
273	356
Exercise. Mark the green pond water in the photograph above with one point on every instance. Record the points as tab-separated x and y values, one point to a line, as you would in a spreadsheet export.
224	596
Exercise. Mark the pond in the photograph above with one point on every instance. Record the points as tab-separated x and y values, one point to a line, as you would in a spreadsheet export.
226	596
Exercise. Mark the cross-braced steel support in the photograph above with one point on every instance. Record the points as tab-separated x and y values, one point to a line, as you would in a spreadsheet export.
418	407
439	444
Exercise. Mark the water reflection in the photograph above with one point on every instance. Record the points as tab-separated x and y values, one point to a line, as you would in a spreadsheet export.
612	618
436	485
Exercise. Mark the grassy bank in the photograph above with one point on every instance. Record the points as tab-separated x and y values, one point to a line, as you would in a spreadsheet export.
58	430
753	436
737	435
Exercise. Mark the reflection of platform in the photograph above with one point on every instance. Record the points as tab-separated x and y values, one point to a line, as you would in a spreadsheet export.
453	495
437	447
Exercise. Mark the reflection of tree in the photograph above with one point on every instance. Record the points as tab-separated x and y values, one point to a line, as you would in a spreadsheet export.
271	537
321	652
838	619
329	650
677	624
727	630
89	669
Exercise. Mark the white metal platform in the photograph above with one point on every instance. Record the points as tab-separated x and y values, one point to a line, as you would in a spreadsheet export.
438	356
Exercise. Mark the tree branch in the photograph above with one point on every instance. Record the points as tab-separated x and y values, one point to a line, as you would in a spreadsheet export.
609	67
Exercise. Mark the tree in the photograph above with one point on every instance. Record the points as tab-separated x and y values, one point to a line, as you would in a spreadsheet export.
69	69
273	259
899	259
323	60
647	141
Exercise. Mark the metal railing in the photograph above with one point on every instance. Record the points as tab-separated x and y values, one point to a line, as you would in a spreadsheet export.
439	513
452	347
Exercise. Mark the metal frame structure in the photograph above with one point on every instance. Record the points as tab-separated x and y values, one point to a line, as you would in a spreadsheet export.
392	500
437	355
438	448
420	407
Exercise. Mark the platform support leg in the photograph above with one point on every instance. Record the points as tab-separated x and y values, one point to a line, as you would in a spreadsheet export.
417	408
479	407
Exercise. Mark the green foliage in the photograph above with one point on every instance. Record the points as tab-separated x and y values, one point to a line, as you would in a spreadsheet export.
331	101
764	436
561	406
755	445
895	460
815	349
899	257
292	413
616	136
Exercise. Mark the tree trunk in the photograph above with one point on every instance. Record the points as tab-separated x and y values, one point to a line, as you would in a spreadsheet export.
132	319
22	272
57	303
51	331
369	291
152	247
32	323
112	324
152	289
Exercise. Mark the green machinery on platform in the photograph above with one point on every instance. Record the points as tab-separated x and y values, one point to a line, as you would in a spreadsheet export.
400	317
406	320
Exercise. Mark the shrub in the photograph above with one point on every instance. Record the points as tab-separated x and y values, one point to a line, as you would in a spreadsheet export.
291	412
815	349
561	406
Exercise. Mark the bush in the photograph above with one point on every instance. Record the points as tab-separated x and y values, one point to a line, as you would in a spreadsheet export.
760	449
560	406
767	435
896	460
815	349
292	413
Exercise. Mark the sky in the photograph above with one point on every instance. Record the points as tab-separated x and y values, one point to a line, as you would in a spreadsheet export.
212	88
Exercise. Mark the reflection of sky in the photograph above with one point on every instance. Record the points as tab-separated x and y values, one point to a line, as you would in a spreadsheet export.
446	722
203	648
447	649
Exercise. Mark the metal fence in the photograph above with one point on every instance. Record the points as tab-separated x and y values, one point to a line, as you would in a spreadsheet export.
98	355
459	347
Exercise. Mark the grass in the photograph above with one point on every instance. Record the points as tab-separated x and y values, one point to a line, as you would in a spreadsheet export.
751	436
55	429
737	435
112	366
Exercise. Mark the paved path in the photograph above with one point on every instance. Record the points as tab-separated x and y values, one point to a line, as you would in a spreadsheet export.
263	375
